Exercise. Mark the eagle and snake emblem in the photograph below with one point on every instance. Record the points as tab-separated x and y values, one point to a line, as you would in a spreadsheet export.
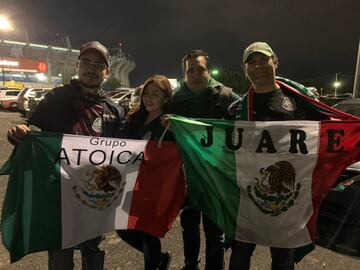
276	190
100	187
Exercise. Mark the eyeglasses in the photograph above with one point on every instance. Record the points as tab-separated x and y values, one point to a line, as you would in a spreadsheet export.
96	66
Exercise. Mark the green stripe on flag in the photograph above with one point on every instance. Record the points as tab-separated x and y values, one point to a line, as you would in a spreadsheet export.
217	194
28	199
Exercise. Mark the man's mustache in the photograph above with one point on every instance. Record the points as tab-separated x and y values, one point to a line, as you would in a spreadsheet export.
91	74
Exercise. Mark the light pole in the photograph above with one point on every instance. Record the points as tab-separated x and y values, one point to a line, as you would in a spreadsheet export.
5	25
336	83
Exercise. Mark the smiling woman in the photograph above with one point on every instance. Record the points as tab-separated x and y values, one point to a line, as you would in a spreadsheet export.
155	100
144	123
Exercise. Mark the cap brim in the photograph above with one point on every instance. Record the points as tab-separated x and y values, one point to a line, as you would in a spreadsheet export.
95	50
267	53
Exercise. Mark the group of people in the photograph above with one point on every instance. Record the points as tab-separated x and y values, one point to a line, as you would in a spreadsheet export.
81	108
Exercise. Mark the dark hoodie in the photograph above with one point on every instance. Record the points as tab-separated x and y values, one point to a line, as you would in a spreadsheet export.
212	102
59	111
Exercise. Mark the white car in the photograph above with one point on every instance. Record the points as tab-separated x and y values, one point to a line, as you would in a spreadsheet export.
9	98
23	98
127	100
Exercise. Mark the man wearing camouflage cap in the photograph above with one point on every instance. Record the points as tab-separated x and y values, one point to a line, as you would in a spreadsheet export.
270	98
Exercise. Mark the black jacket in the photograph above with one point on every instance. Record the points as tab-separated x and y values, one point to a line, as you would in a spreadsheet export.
59	111
212	102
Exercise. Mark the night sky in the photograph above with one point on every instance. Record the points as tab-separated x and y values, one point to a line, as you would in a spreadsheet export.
312	38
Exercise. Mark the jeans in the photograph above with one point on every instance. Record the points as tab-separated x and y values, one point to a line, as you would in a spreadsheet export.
190	223
282	258
148	244
92	257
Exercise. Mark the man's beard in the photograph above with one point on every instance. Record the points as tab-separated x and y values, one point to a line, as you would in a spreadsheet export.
90	86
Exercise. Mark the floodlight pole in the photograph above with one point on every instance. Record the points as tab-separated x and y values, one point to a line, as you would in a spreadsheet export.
356	91
2	60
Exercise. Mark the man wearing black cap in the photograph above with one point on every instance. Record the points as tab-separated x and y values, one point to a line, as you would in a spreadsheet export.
78	108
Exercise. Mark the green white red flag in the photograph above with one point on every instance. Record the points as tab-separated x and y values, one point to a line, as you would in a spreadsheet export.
263	182
246	111
66	189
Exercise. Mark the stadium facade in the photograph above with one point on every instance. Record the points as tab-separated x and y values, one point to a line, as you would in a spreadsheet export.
34	64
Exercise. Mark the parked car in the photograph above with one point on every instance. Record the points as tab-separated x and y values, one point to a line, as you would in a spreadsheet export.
128	99
124	100
23	98
338	226
9	98
116	93
35	100
135	97
351	106
8	88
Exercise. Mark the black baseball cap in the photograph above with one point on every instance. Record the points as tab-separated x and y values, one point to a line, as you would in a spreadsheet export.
96	46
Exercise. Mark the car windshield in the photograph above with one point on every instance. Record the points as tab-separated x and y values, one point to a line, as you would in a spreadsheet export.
352	108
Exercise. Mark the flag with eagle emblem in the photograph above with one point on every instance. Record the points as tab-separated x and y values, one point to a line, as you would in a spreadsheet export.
263	182
66	189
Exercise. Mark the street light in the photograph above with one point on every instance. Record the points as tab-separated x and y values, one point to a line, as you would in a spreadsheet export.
336	83
5	25
215	72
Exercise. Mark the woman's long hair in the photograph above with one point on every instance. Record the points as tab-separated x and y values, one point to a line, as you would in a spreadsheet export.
137	115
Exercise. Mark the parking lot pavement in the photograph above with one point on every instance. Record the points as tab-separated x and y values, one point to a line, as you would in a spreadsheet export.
120	257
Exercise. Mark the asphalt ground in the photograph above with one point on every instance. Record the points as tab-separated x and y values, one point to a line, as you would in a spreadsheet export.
119	256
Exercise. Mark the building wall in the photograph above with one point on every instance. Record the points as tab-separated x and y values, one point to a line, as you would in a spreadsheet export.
60	63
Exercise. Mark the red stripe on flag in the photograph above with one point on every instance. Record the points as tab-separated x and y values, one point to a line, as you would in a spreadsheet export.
329	165
159	192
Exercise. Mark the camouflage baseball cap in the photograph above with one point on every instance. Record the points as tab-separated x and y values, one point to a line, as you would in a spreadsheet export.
96	46
260	47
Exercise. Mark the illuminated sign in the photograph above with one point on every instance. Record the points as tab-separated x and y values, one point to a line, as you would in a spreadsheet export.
24	65
42	67
9	63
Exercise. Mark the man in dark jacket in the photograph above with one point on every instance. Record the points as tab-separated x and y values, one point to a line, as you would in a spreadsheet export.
78	108
201	96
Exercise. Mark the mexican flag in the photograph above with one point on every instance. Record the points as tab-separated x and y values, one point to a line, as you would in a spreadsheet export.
66	189
263	182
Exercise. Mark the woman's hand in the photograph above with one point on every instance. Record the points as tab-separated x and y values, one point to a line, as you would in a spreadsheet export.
165	120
